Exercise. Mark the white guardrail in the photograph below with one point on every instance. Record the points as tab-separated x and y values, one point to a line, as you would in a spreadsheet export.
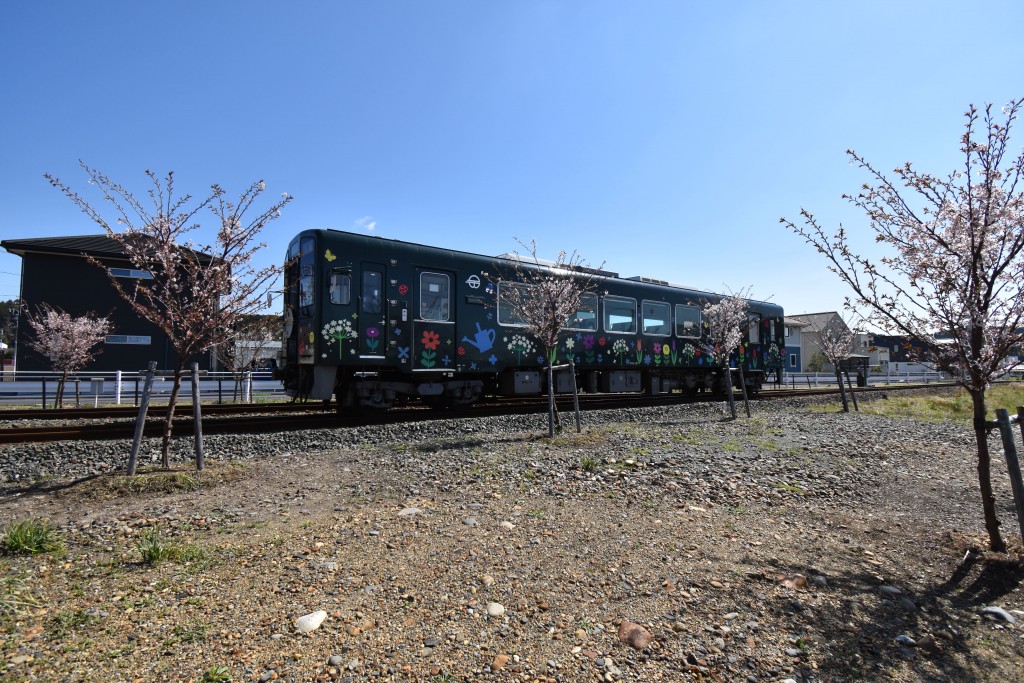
824	379
125	388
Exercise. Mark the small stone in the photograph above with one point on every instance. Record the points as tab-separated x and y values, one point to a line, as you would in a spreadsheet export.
487	580
906	641
499	662
999	613
470	521
928	642
407	512
308	623
508	526
335	661
495	609
891	591
634	635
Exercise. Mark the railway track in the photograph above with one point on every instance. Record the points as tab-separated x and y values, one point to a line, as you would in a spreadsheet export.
119	422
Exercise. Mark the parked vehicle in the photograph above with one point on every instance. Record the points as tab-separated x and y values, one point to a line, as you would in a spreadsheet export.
369	321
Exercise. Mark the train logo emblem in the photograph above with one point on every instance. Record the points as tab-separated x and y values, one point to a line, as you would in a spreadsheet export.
473	281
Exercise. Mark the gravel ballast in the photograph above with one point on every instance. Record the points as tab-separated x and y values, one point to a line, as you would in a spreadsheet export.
660	544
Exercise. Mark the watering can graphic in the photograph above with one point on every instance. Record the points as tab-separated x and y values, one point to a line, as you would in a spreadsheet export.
483	340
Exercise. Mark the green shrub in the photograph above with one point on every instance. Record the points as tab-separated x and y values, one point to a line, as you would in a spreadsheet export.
14	598
216	674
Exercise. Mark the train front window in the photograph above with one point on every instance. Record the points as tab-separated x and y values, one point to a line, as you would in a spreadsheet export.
340	288
585	317
372	291
687	321
619	315
434	297
657	318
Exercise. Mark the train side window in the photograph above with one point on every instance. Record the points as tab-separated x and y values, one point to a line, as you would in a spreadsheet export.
754	328
620	314
657	318
585	318
371	294
687	321
511	298
434	297
341	288
307	255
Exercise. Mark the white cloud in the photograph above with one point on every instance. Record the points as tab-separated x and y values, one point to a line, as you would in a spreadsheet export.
366	223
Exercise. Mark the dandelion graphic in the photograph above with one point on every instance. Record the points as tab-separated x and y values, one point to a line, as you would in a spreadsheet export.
619	348
338	331
687	353
520	344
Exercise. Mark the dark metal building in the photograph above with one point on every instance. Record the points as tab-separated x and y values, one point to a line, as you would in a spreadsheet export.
54	270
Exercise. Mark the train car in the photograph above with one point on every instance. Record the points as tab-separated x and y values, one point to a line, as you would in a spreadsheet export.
370	321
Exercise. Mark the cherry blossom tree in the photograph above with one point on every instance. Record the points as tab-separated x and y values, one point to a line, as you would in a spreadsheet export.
544	299
198	291
725	321
955	263
836	342
67	341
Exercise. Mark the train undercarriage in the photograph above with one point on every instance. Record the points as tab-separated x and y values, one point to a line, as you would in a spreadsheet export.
380	390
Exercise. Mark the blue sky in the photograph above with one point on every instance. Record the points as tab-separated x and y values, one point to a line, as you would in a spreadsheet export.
659	138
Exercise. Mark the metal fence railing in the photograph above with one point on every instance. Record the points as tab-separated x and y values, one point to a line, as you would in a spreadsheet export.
125	388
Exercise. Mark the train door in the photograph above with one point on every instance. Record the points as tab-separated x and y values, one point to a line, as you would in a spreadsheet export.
433	321
300	300
372	312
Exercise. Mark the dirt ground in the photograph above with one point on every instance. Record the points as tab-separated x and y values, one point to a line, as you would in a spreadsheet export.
791	546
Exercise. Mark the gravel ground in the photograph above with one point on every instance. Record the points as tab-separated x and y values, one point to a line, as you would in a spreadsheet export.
660	544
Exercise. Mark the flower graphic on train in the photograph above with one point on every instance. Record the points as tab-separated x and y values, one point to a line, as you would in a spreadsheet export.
657	353
639	350
619	348
520	344
687	353
372	334
338	331
403	289
430	341
588	347
601	342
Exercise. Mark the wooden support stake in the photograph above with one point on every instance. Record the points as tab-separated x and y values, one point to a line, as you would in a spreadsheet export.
1012	463
140	422
743	388
853	394
575	395
197	417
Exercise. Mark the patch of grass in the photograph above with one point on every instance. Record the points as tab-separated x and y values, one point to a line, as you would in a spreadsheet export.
30	537
186	634
155	549
950	405
163	481
789	488
216	674
69	620
588	463
14	597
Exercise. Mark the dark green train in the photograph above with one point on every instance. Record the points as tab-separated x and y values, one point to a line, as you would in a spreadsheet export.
370	321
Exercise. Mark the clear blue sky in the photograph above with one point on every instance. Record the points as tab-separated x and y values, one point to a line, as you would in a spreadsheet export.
660	138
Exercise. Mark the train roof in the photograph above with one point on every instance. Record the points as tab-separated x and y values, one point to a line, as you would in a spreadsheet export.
544	263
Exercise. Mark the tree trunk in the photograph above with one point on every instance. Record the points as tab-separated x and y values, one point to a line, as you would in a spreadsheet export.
58	400
551	401
169	419
988	500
